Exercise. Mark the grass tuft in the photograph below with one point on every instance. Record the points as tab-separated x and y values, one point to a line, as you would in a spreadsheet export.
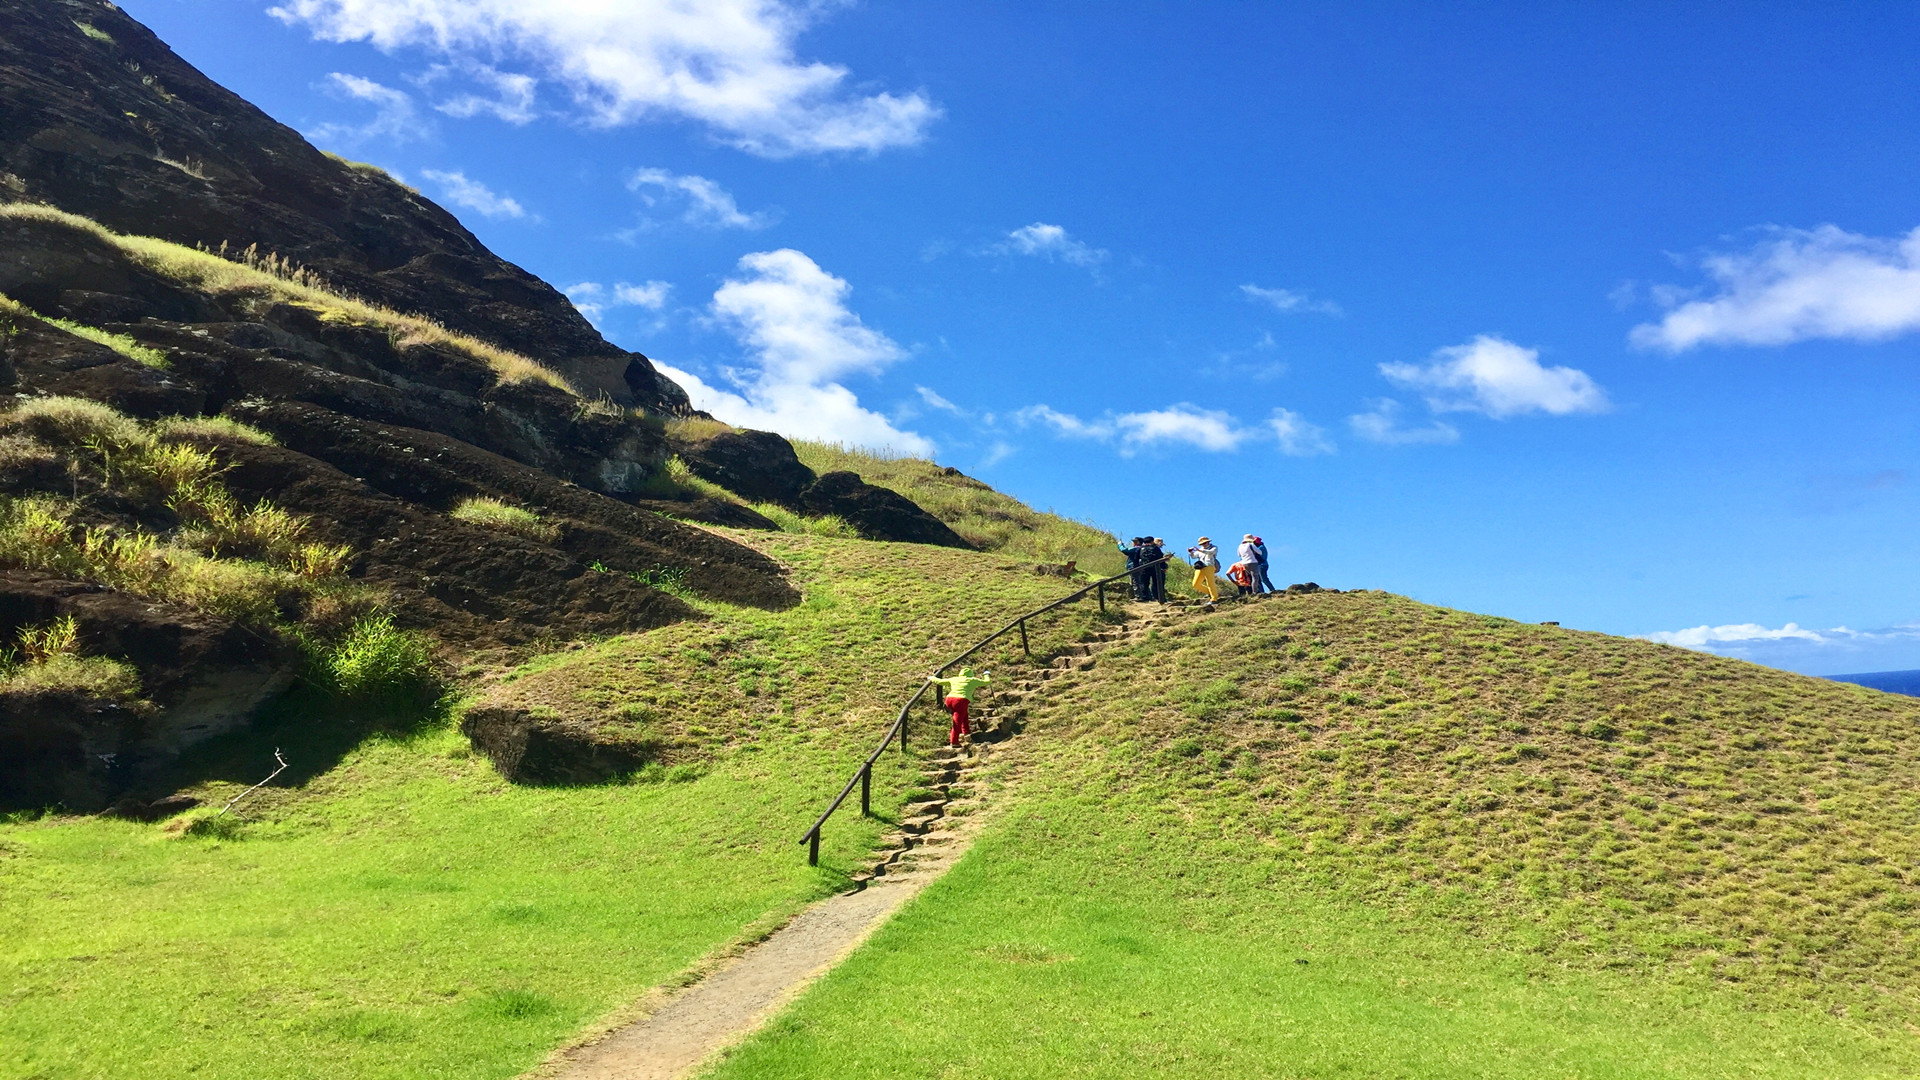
71	423
494	514
695	429
829	525
376	663
212	427
120	343
48	660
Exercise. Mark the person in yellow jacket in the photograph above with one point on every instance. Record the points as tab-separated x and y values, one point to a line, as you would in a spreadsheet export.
960	689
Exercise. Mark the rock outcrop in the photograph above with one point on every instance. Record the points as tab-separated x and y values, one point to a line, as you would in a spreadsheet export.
201	676
100	118
400	369
877	513
762	466
756	465
384	418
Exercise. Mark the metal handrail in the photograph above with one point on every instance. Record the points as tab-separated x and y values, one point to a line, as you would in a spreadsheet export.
864	775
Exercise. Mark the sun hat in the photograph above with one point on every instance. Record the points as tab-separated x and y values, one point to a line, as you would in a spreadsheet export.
1204	540
1249	536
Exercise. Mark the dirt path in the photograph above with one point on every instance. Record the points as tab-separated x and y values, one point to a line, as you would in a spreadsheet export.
735	1000
737	997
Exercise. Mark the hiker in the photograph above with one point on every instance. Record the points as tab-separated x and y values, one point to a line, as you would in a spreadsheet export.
1134	558
960	689
1206	566
1241	574
1154	551
1249	555
1260	566
1156	554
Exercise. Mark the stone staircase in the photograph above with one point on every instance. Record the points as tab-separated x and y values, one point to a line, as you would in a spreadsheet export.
957	781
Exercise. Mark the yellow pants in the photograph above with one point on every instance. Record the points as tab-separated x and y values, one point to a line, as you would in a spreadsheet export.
1204	581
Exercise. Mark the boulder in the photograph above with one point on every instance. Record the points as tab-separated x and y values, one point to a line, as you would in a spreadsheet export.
200	676
758	466
533	750
876	513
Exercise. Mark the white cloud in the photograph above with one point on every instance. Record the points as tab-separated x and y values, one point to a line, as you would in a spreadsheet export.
1796	285
593	299
1705	638
1297	437
474	195
1494	376
1050	242
1206	429
1000	451
1382	425
1290	302
394	115
936	401
801	338
727	64
652	295
511	97
1798	648
1181	424
707	203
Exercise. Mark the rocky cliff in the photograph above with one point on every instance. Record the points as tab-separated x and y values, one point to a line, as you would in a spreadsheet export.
260	407
100	118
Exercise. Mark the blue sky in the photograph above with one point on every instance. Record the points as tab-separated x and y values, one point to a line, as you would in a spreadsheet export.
1598	313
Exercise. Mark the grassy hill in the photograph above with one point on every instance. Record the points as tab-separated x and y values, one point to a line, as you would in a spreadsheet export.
1345	833
1356	835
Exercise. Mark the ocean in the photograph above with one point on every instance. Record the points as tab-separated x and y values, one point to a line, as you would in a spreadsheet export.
1893	682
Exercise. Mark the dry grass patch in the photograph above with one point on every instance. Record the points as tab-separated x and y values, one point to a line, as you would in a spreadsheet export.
494	514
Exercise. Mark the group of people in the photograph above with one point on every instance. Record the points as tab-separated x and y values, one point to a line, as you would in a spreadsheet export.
1146	561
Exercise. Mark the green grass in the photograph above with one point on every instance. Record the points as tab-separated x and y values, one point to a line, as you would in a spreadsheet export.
1495	845
824	525
14	312
406	913
47	660
986	518
1099	936
874	616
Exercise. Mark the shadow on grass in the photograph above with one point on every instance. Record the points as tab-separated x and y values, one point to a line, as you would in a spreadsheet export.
312	729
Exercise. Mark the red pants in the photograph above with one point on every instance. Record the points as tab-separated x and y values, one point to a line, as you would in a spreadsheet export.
958	707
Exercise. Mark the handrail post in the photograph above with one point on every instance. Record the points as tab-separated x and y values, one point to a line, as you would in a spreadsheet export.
813	847
866	791
903	729
1103	598
1023	639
